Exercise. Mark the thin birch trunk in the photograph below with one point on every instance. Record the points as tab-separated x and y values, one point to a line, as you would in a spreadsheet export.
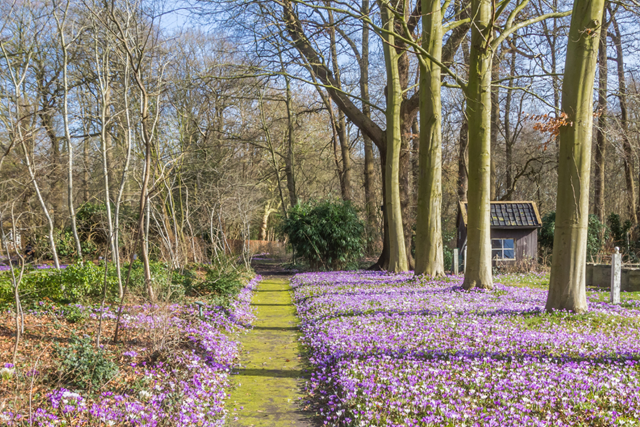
67	134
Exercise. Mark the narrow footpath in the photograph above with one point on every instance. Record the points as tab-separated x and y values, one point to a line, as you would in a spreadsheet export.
267	386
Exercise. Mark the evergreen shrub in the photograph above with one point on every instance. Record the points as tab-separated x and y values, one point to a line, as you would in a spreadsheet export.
329	234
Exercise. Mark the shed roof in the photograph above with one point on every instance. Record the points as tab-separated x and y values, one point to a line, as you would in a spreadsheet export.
510	214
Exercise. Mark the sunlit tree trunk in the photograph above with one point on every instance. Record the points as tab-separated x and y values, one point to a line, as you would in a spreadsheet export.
495	124
478	269
397	250
67	134
567	288
429	256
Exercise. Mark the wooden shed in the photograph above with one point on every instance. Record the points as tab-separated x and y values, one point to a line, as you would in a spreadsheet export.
514	231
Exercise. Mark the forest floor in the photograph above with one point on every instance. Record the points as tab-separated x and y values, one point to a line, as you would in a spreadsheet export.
268	385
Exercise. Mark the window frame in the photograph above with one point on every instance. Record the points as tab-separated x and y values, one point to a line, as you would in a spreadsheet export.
502	249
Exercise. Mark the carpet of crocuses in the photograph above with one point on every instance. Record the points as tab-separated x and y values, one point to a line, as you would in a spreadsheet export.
396	350
186	388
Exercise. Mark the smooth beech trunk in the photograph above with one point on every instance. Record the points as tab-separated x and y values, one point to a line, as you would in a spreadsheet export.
429	256
567	283
478	270
397	250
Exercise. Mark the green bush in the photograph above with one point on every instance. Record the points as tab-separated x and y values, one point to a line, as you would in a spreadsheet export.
65	245
223	280
74	314
597	234
329	234
84	366
618	230
447	238
75	283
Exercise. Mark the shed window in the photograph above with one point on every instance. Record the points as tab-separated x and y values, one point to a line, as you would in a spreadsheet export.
503	249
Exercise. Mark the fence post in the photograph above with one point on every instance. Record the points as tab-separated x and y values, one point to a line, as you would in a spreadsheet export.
464	267
616	273
456	261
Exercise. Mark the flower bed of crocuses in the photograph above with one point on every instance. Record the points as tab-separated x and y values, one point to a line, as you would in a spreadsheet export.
187	388
396	350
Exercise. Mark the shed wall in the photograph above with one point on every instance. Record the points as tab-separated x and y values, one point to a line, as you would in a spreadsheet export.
526	240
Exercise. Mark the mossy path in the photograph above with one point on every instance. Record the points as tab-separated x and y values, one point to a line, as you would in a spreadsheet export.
267	385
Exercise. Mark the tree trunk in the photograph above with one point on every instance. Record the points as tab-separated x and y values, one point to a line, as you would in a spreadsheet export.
567	289
507	125
341	125
85	171
67	135
265	221
463	160
624	125
289	160
478	270
397	249
415	156
383	259
463	139
429	256
495	125
369	192
601	147
407	208
345	175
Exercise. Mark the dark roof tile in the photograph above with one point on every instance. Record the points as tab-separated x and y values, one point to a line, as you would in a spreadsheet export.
512	214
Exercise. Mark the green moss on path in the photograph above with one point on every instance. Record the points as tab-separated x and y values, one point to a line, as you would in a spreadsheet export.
268	383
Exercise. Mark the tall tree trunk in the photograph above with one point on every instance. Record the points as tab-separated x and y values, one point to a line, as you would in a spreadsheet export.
495	124
397	249
601	143
567	290
415	156
463	160
463	141
341	125
624	125
407	205
346	157
67	132
383	260
508	139
429	256
85	170
289	159
265	221
478	269
369	190
124	179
